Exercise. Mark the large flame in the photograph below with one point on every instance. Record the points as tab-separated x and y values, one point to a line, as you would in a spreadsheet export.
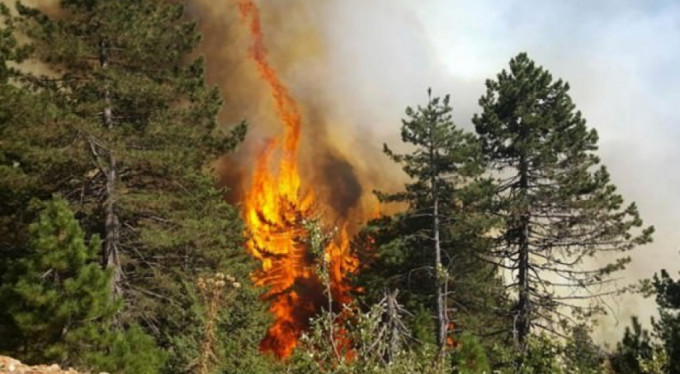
274	208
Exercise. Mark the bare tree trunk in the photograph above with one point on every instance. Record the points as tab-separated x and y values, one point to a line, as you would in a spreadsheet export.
111	222
523	317
440	272
392	313
442	322
392	329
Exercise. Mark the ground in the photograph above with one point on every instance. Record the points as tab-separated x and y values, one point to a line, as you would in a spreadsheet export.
10	365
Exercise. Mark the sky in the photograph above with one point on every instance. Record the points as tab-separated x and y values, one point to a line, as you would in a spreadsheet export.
619	56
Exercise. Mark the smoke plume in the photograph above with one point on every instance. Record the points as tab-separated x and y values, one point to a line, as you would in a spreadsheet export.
340	155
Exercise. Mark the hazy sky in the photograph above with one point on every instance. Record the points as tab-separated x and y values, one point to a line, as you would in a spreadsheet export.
621	58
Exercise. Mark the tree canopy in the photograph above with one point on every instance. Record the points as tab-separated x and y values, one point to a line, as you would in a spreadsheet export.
558	204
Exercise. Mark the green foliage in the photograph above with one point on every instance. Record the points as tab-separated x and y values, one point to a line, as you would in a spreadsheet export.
10	49
55	287
403	257
657	364
129	351
547	354
581	354
635	346
667	328
19	110
558	204
58	305
543	355
642	352
7	43
316	354
470	356
151	160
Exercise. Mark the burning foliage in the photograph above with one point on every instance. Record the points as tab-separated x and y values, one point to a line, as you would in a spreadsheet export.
274	208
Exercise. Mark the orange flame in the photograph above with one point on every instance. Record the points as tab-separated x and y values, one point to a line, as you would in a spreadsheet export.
274	208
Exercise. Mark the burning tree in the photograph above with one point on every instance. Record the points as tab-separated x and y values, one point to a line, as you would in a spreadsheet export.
276	208
558	205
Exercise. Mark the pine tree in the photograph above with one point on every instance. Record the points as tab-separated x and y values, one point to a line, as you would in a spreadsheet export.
146	117
56	299
10	51
125	129
581	354
19	109
635	346
667	327
418	250
558	204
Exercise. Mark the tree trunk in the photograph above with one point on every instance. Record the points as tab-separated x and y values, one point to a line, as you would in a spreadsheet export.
523	316
441	278
440	273
111	222
392	313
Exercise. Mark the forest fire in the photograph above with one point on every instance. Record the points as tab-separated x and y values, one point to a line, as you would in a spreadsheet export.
274	208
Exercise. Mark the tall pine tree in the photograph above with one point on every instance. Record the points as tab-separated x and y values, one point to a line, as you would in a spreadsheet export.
125	129
426	250
557	202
